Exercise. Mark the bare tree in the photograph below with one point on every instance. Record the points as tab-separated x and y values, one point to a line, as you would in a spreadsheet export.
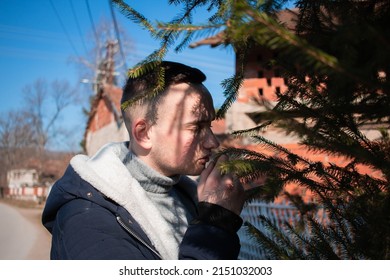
44	107
16	134
92	67
16	141
29	132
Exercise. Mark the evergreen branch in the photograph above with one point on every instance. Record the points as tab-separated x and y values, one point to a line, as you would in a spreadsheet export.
148	65
231	87
294	159
177	27
273	248
354	143
281	36
321	241
185	42
252	131
249	166
134	16
301	240
223	10
168	35
282	238
341	236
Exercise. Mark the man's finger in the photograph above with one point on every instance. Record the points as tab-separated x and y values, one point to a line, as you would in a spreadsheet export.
206	172
216	172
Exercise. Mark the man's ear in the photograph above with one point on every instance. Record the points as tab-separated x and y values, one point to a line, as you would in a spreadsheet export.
141	133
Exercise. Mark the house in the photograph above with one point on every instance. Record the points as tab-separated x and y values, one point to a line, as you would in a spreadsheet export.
18	178
105	123
31	178
23	184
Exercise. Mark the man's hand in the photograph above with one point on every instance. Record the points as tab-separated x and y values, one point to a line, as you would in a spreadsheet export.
223	190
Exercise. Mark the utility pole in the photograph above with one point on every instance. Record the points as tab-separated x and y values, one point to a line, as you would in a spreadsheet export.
106	68
106	76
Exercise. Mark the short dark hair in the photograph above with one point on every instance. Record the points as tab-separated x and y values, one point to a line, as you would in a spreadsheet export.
139	89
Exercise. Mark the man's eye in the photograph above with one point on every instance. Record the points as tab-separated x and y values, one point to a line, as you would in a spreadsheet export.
196	129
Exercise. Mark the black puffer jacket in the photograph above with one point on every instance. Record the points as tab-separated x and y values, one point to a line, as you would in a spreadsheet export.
91	216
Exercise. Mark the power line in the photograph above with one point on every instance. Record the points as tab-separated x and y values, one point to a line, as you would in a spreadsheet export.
78	26
92	23
117	34
64	29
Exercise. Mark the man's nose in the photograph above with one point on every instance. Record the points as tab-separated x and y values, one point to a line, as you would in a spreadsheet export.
210	141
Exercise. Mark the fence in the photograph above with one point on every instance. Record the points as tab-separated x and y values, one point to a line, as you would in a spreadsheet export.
36	193
277	213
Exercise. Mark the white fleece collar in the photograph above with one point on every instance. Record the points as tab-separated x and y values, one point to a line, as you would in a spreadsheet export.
106	172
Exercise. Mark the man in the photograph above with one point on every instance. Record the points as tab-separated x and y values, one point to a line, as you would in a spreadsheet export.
132	200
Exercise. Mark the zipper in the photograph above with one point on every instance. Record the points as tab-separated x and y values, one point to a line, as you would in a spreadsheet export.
131	232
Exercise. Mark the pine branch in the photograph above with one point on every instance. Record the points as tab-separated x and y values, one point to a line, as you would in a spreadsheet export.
273	248
141	69
271	34
231	87
134	16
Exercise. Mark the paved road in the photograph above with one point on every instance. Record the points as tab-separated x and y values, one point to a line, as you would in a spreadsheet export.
22	237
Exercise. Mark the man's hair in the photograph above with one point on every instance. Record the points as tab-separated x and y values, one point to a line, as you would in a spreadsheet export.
142	89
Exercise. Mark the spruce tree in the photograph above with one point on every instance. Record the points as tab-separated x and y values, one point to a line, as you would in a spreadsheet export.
335	64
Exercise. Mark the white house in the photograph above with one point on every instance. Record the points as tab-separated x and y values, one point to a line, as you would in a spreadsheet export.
18	178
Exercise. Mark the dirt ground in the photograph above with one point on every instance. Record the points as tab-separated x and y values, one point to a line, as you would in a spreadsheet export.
33	212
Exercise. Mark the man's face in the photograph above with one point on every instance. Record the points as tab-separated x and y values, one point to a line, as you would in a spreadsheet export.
182	137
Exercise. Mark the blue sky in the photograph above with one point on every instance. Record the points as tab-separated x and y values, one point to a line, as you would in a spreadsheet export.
34	44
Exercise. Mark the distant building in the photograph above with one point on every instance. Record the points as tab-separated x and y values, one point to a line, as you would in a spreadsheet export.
31	178
18	178
105	123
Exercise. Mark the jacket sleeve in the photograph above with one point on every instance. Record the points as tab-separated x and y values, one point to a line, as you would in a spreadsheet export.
92	232
212	235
